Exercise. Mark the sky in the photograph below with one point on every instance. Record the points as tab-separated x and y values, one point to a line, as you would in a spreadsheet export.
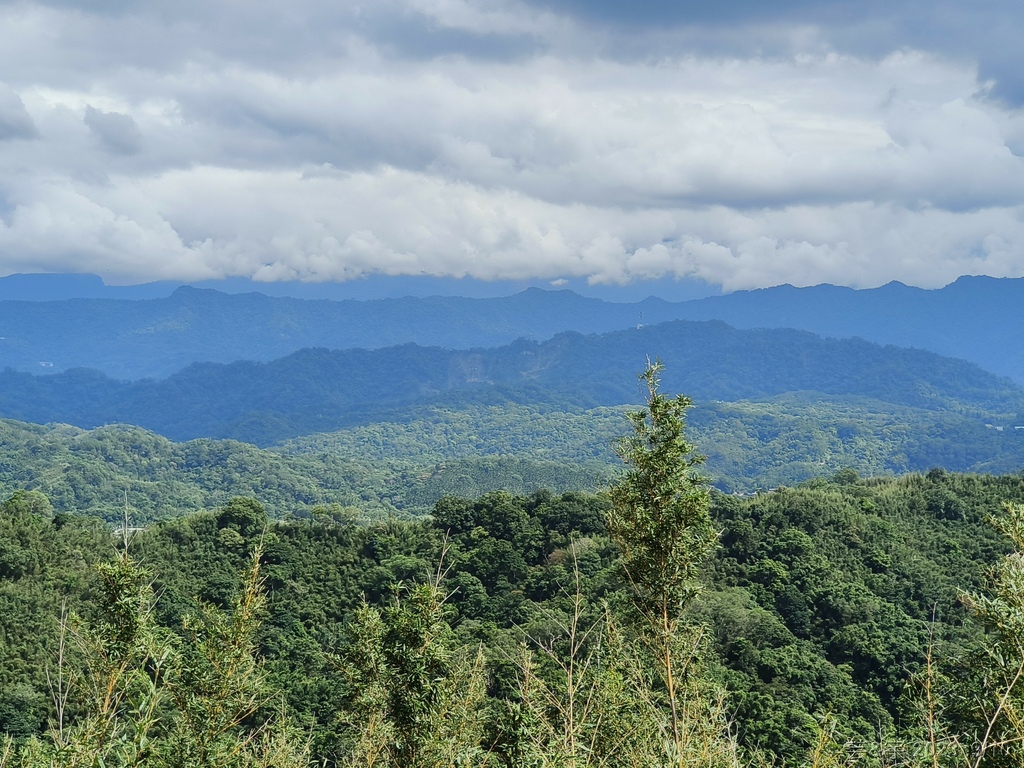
743	144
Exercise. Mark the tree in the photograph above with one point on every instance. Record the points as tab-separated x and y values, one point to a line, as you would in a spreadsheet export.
143	697
660	519
997	709
415	700
661	509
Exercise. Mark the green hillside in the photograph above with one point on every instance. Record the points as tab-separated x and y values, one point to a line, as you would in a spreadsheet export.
403	463
749	444
88	472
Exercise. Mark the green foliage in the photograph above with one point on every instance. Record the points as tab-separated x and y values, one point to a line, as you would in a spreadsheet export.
589	695
824	595
88	473
986	705
819	599
44	561
218	687
660	519
129	693
415	700
110	674
660	510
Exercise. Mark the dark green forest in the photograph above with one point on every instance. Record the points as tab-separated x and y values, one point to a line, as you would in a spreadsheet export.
817	599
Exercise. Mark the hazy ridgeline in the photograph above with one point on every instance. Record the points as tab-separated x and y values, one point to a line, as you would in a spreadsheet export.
318	390
975	318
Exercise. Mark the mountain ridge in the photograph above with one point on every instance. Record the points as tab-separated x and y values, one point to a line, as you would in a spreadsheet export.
978	319
318	389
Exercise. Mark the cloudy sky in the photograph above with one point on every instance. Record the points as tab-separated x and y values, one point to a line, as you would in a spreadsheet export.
745	143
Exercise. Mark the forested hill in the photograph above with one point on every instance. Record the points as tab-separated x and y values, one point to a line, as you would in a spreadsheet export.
90	472
402	464
316	390
976	318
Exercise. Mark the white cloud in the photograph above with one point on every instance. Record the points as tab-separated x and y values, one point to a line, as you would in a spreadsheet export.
313	145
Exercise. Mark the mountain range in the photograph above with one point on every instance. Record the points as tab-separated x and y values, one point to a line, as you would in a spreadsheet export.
979	319
389	403
315	390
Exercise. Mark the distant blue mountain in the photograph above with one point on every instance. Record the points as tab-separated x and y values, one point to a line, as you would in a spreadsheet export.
315	390
980	319
57	287
164	328
156	337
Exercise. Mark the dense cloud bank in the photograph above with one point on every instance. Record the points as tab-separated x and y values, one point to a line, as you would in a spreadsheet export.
741	144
